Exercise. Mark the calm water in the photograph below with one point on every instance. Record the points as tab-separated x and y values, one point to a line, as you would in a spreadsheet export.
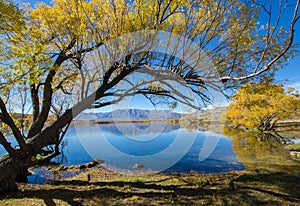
163	147
159	147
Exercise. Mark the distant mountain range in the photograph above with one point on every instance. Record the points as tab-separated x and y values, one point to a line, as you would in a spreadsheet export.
130	114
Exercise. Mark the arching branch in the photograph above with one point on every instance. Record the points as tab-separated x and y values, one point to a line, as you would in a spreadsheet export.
268	66
7	119
7	145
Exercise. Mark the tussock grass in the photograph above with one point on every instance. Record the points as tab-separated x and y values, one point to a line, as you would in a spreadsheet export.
109	188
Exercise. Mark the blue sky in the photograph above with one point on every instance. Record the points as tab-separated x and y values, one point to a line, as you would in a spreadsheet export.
290	74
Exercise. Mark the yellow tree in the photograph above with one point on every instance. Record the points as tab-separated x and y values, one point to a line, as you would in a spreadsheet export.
261	105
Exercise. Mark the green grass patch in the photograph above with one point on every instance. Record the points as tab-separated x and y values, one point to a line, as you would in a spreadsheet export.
109	188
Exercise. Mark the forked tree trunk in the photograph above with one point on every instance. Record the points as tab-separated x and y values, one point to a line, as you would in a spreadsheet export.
14	169
11	166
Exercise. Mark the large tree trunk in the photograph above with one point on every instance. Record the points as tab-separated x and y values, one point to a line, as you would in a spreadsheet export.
14	169
22	175
9	169
10	166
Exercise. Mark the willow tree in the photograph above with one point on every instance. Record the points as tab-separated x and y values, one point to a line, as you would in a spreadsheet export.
261	105
62	59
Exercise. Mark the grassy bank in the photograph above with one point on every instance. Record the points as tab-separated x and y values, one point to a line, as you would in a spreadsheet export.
108	188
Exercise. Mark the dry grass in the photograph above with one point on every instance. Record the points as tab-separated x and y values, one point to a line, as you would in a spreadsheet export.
108	188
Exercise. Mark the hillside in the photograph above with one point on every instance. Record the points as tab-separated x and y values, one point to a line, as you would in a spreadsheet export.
130	114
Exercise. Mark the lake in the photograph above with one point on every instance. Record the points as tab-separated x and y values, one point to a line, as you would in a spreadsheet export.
158	146
164	147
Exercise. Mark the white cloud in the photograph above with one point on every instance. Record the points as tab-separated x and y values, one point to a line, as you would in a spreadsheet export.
295	85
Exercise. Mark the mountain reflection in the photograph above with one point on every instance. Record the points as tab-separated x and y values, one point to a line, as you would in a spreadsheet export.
262	151
136	129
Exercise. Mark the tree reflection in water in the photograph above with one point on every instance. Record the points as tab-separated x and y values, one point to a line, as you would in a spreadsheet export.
263	151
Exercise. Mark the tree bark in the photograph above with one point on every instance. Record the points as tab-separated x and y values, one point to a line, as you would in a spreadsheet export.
9	169
14	169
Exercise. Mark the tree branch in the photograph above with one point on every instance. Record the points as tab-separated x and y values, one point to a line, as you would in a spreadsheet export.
38	125
278	56
35	102
7	145
7	119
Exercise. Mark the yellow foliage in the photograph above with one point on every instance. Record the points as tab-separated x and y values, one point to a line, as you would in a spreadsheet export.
256	104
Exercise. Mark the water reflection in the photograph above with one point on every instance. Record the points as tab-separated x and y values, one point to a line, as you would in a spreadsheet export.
173	149
235	149
263	151
156	145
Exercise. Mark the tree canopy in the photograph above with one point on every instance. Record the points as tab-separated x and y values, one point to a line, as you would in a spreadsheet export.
261	105
58	60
